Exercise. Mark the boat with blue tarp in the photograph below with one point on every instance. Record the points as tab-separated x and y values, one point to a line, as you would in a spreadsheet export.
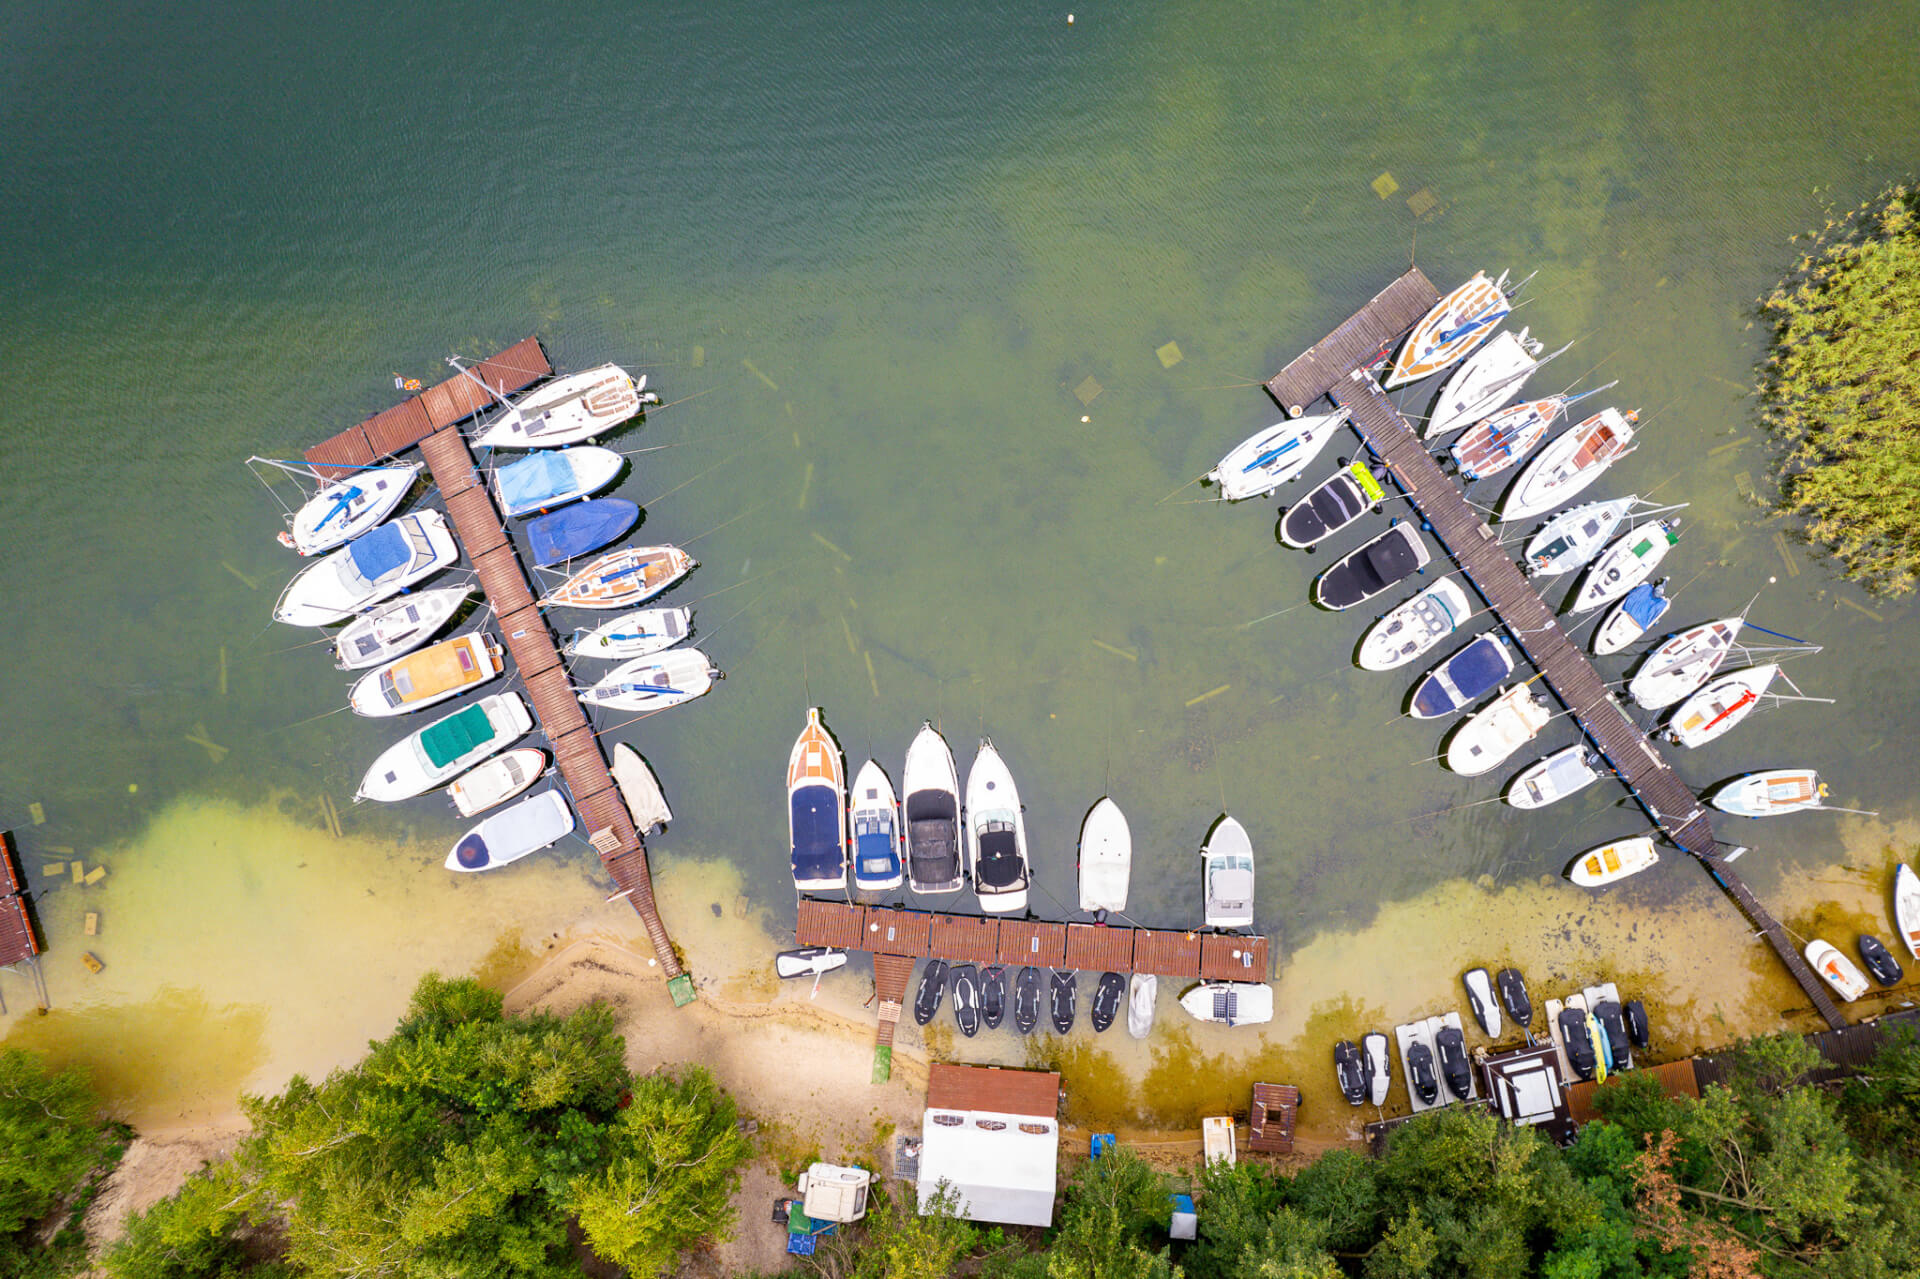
1464	678
578	530
372	567
554	478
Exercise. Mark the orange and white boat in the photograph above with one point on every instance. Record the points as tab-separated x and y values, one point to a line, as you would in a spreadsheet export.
1457	324
427	677
817	809
1838	971
1768	794
623	577
1610	862
1720	705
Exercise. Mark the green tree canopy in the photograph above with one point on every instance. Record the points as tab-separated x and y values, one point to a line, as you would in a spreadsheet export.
50	1136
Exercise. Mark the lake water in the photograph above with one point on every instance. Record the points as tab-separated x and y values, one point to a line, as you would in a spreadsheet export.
878	260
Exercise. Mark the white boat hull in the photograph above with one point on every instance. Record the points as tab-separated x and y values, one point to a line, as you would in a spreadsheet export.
478	654
1230	1003
592	469
1906	908
1683	663
1374	1047
331	590
1553	778
1621	628
404	769
1482	384
347	507
396	628
513	833
1574	537
646	803
1106	858
1565	467
1722	704
567	411
1141	992
1494	733
875	817
1836	970
929	772
653	683
1771	794
996	835
1610	863
1627	563
1263	462
640	633
1227	876
497	781
1415	627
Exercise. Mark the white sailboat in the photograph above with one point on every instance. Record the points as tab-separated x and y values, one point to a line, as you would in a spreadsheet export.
1906	908
1481	384
1106	859
1571	538
1569	464
654	683
636	634
1266	460
1627	563
1631	618
1720	705
1771	793
1455	325
567	411
345	508
1683	662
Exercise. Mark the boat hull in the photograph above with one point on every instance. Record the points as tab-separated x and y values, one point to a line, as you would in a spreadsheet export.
428	677
1682	663
566	411
409	768
1572	538
1227	876
579	530
513	833
930	784
1394	556
1500	442
637	634
996	835
640	790
331	590
623	578
1106	858
1836	970
1770	794
653	683
1230	1003
1335	503
543	481
1264	461
1625	565
1141	992
817	810
497	780
1716	709
1906	908
1568	465
1482	384
347	507
1495	732
1463	679
1631	618
396	628
1449	332
1415	627
1553	778
877	861
1613	862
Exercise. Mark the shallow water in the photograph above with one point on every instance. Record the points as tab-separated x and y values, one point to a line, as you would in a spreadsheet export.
869	256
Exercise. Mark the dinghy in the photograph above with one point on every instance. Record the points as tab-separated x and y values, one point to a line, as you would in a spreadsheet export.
1338	501
541	481
1496	731
1631	618
1720	705
1906	908
1768	794
1457	324
345	508
933	988
1627	563
1496	443
1373	1046
996	834
1464	678
1026	1000
513	833
1554	777
497	781
574	408
1226	862
1106	859
1230	1003
1683	662
1451	1045
618	579
397	627
1847	981
1613	862
1513	996
1063	990
993	995
428	677
635	634
808	961
1140	996
373	567
1107	997
876	831
1350	1073
1480	999
964	981
640	789
1265	461
1879	961
1394	556
1571	538
817	810
445	748
574	531
1482	384
1415	626
1569	464
932	788
653	683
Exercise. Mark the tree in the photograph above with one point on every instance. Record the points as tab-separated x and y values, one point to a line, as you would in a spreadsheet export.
903	1240
1239	1198
50	1136
1113	1206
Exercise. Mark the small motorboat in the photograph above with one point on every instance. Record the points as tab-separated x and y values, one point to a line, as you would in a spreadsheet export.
1578	1043
932	788
817	810
993	995
498	780
1683	663
512	833
1631	618
996	834
640	789
446	748
964	980
396	627
1451	1045
1486	1010
1569	464
630	635
654	683
1264	461
1463	679
1379	1066
1415	626
1482	384
428	677
567	411
373	567
1847	981
1230	1003
933	988
574	531
1493	444
1337	502
1613	1029
619	579
1062	992
1141	992
1108	995
1768	794
1513	996
1394	556
1226	872
345	508
1627	563
1906	907
1719	706
1026	1000
1613	862
1879	961
1495	731
808	961
541	481
1574	537
1106	859
877	867
1635	1014
1420	1074
1349	1071
1458	323
1555	777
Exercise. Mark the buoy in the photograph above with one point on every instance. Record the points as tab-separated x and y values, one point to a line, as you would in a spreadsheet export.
1069	19
413	384
285	539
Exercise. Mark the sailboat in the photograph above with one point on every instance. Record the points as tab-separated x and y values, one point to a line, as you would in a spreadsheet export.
573	531
996	834
1493	444
1906	907
428	677
1457	324
1226	870
1683	662
1768	794
1610	863
817	809
1496	731
1631	618
1106	859
1394	556
1554	778
1263	462
931	785
877	867
1568	465
373	567
654	683
573	408
1336	502
1720	705
1415	626
1464	678
640	790
1627	563
1483	383
635	634
618	579
446	748
345	508
1573	537
512	833
540	481
399	626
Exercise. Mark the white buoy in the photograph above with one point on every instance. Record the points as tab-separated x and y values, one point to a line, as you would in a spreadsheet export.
1069	19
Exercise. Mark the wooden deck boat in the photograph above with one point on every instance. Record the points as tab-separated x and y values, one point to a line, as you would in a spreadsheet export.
1449	332
1569	464
622	578
1497	443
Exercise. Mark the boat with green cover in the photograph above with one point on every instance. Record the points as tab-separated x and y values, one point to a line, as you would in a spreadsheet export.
446	748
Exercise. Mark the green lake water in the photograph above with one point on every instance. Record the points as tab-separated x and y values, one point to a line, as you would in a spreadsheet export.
869	254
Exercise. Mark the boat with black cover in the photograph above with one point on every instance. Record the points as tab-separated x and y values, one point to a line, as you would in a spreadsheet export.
1513	995
1573	1034
964	980
1420	1076
1336	502
931	784
993	995
1062	992
933	988
1394	556
1452	1047
1107	998
1349	1068
1879	961
1635	1014
1026	1000
1373	1047
1463	679
1613	1024
1480	999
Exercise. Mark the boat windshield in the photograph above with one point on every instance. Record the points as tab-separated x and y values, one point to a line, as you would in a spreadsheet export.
1000	865
934	846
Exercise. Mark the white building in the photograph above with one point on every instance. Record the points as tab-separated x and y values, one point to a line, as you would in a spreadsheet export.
993	1134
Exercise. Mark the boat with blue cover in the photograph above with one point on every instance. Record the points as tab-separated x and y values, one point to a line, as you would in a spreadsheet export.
512	833
554	478
877	865
1464	678
345	508
1263	462
1636	613
373	567
817	810
578	530
446	748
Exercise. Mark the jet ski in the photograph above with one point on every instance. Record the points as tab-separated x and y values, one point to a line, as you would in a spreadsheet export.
965	980
1636	1014
1513	995
1379	1068
1880	963
1614	1027
1060	995
1107	997
1480	999
1350	1069
1420	1074
1573	1033
933	988
1026	1000
993	995
1453	1062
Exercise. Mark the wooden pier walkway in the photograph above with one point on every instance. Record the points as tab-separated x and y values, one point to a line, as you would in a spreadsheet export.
430	420
1671	803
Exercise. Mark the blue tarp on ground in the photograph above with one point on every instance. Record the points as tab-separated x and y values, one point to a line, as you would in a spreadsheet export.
378	553
579	529
536	480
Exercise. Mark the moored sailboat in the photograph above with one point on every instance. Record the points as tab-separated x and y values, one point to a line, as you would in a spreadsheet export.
373	567
1720	705
1571	538
618	579
1631	618
1771	793
1683	662
1627	563
1569	464
345	508
567	410
654	683
396	627
1481	384
1264	461
635	634
541	481
1450	331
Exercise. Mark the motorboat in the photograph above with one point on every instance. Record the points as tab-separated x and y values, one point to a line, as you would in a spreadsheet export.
446	748
1449	332
1335	502
1631	618
653	683
1483	383
1572	538
1906	907
1683	663
1627	563
372	567
996	834
1635	1014
1513	996
1230	1003
396	627
932	788
345	508
1720	705
1610	863
1026	1000
1480	998
566	411
877	866
1877	960
1141	992
808	961
1496	443
1108	994
1415	626
1451	1045
1579	1045
964	981
1063	990
1494	732
1349	1071
1394	556
1267	459
1226	867
1768	794
1555	777
817	809
428	677
544	480
1570	463
619	579
1379	1067
573	531
640	789
933	988
498	780
1463	679
636	634
1106	859
1421	1079
1837	970
993	995
538	822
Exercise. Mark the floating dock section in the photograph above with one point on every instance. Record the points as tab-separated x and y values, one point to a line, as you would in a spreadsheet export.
19	944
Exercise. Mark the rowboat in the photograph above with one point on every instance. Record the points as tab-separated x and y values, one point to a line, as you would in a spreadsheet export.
497	781
996	834
1720	705
654	683
1768	794
1141	992
1608	863
1373	1045
428	677
640	790
636	634
1631	618
397	627
1482	384
574	408
1496	731
622	578
1493	444
574	531
512	833
931	785
1264	461
1226	872
1627	563
542	480
1847	981
373	567
1573	537
1486	1009
1337	502
1464	678
1415	626
1230	1003
446	748
817	810
1554	777
1906	907
1457	324
1395	555
1570	463
1683	662
1106	859
345	508
876	831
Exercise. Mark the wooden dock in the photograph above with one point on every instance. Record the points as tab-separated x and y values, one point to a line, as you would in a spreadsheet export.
19	944
1670	802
